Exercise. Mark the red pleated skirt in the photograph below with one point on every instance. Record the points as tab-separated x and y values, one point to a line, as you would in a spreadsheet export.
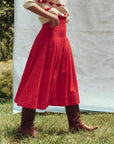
49	77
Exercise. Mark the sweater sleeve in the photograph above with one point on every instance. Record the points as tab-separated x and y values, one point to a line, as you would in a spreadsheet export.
29	3
42	4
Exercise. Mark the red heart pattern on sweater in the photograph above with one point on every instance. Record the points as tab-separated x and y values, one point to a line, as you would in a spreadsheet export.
39	1
47	9
51	3
58	5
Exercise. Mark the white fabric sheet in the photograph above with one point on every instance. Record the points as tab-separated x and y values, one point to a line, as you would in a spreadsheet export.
91	33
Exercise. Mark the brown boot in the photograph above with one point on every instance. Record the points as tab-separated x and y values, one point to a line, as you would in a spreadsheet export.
27	126
74	120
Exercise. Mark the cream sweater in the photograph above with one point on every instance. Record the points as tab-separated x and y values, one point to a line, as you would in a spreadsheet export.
53	6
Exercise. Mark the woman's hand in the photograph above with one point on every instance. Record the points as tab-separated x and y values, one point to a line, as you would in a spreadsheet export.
67	19
54	21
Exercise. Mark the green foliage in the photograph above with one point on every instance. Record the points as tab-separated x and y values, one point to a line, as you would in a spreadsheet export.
6	29
6	84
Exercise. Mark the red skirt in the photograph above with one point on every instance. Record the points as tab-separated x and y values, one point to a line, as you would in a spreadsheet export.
49	77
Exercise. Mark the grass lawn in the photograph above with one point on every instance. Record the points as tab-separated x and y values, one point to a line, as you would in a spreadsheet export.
54	128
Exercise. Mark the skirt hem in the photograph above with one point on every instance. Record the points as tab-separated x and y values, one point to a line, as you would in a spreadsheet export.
44	108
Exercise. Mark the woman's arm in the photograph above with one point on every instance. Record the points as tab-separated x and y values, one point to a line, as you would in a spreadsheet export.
54	21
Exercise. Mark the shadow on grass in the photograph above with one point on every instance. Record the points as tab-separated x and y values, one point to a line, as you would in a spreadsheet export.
15	136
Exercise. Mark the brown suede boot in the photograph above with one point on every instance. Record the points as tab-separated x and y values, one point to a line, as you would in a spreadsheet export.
74	120
27	126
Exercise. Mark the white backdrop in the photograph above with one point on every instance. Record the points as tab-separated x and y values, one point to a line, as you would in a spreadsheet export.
91	33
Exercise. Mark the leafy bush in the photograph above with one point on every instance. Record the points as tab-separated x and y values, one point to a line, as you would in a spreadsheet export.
6	84
6	29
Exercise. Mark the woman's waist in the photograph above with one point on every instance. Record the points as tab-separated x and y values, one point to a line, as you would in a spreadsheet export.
44	20
59	30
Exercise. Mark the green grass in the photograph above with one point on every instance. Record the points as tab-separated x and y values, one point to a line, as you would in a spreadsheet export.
54	128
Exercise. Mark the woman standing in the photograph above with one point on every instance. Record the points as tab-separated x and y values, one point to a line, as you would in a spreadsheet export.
49	76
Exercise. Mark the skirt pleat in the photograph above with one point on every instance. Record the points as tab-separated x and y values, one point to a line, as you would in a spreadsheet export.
49	77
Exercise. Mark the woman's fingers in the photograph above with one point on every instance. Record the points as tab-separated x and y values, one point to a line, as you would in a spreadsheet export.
67	19
54	22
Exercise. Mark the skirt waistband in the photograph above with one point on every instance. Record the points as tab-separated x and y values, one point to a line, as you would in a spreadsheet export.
60	29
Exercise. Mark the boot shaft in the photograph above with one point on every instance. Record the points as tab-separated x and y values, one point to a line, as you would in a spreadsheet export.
73	114
27	117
